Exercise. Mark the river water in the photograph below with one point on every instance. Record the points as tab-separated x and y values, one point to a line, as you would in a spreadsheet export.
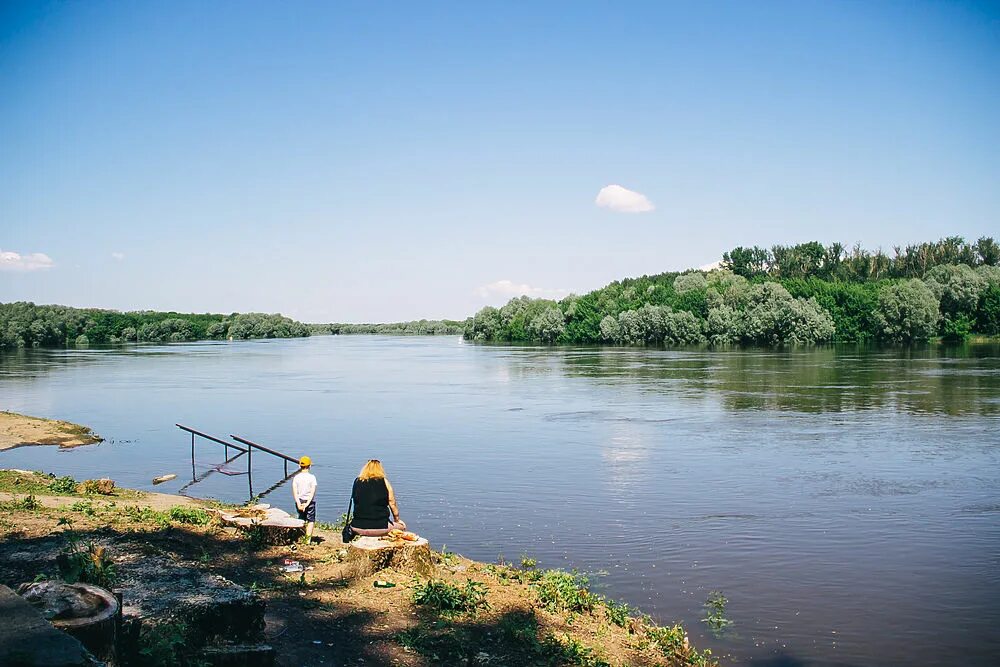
846	500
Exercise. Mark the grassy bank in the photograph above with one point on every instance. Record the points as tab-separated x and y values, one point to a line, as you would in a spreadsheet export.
465	613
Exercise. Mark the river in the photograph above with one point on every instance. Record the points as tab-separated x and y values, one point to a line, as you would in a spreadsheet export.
845	500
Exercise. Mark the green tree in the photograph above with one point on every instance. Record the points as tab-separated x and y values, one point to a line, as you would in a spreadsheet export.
957	287
774	317
907	311
548	325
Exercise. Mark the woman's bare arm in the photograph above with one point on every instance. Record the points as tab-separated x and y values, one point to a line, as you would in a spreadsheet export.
392	501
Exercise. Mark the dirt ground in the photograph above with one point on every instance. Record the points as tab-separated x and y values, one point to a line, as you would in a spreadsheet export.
20	430
328	615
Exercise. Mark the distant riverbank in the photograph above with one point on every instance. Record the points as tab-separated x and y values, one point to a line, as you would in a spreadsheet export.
24	324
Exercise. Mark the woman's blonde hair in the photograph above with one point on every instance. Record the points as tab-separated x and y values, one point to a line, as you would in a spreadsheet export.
372	470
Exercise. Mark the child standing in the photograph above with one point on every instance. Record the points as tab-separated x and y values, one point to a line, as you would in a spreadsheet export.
304	492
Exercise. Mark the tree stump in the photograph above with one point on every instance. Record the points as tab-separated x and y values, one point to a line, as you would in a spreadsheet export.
268	524
372	554
86	612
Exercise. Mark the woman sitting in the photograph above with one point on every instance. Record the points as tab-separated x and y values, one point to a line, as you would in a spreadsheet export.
373	499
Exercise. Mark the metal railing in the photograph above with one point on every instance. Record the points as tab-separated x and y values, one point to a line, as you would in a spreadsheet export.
251	445
248	450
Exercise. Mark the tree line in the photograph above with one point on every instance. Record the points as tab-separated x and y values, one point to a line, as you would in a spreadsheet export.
413	328
807	293
24	324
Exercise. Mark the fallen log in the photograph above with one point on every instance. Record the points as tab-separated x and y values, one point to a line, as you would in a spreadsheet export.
372	554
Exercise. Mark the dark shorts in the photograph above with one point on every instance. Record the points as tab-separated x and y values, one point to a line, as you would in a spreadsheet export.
309	514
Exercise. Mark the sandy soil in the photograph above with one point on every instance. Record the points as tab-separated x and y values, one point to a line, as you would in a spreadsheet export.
156	501
18	430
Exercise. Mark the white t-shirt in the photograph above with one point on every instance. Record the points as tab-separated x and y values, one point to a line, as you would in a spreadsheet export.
303	486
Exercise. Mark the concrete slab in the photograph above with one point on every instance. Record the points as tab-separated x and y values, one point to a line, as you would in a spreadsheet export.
28	640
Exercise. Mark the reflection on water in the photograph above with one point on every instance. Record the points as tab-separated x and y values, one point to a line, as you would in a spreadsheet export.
845	499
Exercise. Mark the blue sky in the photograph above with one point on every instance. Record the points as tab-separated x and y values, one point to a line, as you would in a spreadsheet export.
388	161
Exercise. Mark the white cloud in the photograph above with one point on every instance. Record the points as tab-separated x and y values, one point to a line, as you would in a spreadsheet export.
623	200
118	255
509	289
710	267
15	261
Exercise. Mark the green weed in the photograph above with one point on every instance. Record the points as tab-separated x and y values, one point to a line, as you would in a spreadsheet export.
145	515
189	515
521	630
28	503
448	647
84	506
164	644
63	485
88	563
617	612
450	598
565	591
715	612
670	639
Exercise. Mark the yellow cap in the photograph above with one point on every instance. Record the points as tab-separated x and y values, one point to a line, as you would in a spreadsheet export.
305	462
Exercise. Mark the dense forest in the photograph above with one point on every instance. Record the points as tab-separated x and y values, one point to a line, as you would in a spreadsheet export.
414	328
24	324
805	293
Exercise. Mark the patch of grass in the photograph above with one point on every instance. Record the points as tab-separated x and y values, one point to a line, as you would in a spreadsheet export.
139	514
449	647
190	515
447	597
521	630
14	481
565	591
506	574
28	503
84	506
571	651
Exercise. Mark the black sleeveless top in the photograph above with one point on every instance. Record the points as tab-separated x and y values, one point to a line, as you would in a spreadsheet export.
371	504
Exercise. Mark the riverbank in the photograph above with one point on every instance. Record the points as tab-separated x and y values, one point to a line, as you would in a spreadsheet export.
17	430
465	613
